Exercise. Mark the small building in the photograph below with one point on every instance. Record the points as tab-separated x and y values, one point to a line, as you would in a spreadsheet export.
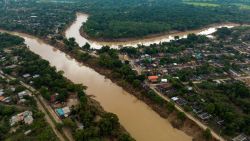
25	116
241	137
53	98
11	66
164	80
60	112
1	93
66	111
181	101
2	98
204	116
28	119
22	94
22	101
153	78
27	132
26	75
190	88
174	98
36	76
12	89
63	112
7	99
234	73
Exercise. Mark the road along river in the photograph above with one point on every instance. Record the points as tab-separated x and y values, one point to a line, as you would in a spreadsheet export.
73	31
138	118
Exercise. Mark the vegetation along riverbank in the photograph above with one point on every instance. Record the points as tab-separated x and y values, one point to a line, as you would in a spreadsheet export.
84	119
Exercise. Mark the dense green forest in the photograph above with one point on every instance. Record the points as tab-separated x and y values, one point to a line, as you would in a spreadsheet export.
144	17
9	40
111	19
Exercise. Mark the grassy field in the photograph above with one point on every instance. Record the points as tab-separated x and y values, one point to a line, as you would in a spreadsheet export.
215	3
203	4
243	6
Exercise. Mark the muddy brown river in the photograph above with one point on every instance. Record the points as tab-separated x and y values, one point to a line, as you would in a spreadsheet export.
138	118
73	31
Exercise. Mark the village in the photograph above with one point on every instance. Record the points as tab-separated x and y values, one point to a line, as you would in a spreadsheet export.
195	73
18	90
35	96
8	66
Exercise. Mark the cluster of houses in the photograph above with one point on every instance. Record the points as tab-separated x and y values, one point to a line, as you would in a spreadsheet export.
155	79
167	89
12	63
63	112
25	117
61	109
6	98
28	77
241	137
22	94
164	63
3	97
157	63
180	101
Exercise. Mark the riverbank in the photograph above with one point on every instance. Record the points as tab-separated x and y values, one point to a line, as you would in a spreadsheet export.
157	36
76	30
93	104
188	126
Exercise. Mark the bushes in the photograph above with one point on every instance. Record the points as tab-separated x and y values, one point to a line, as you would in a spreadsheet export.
181	116
207	134
109	124
154	97
8	40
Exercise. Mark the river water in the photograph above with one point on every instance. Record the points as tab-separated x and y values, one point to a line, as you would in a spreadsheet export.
138	118
73	31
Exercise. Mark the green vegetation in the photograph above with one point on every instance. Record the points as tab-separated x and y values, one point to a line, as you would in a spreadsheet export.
229	102
40	130
87	120
202	4
139	18
207	134
111	19
9	40
208	76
